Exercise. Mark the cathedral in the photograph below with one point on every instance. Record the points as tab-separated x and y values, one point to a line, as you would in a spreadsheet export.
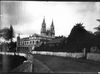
50	32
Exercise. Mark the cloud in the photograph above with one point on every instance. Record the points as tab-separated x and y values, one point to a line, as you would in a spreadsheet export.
10	11
97	4
27	16
91	7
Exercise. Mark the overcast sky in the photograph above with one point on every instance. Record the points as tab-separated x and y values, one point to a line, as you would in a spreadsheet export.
27	16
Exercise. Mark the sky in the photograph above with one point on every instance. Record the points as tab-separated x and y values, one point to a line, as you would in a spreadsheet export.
26	17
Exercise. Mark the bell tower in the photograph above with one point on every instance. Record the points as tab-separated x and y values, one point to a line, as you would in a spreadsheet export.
43	29
52	29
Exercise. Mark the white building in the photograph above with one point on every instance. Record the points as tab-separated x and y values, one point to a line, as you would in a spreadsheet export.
27	44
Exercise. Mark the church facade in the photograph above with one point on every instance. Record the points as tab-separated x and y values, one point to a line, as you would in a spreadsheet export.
27	44
49	32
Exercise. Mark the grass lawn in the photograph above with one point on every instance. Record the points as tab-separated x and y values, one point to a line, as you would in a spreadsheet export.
62	64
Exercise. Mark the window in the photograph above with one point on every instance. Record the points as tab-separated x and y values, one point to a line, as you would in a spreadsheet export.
37	42
25	43
20	43
33	42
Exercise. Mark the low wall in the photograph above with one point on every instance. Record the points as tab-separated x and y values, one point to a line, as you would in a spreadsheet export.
62	54
93	56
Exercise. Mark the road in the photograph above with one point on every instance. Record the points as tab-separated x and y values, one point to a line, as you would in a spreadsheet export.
63	65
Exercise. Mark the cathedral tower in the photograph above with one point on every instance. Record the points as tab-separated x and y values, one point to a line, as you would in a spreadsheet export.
43	29
52	29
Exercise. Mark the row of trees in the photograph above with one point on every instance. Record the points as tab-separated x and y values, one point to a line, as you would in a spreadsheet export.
78	39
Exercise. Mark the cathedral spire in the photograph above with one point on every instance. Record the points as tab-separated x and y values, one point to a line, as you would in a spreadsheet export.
44	21
43	29
52	29
52	22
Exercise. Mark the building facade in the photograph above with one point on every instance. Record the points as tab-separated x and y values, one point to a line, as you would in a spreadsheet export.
28	44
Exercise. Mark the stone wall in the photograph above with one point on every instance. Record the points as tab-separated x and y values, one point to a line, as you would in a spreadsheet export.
93	56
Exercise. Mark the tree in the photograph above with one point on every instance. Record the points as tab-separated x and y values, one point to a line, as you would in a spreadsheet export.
79	38
12	45
11	34
7	33
98	30
97	34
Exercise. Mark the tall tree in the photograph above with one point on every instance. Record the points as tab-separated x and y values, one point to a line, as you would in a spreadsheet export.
12	45
97	34
11	34
8	33
79	38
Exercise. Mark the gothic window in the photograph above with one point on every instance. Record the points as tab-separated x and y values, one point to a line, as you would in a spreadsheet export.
18	43
25	42
36	42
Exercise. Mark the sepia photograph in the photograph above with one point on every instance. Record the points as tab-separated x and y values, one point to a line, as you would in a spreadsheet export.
50	37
